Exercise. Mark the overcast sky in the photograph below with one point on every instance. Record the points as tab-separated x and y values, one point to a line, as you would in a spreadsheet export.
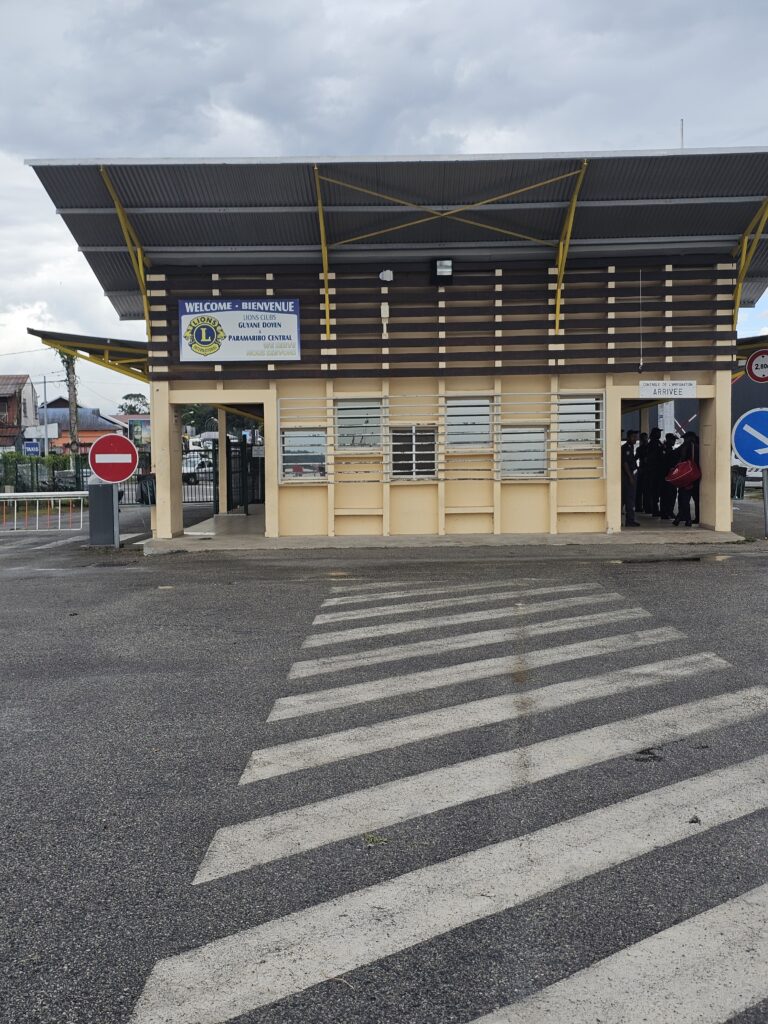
292	77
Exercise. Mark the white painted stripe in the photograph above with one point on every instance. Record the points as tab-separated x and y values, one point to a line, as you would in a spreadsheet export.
447	588
704	971
316	701
457	600
367	739
260	965
113	458
341	588
373	631
428	648
274	836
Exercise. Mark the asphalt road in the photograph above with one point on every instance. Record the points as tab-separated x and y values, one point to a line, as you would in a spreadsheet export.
479	782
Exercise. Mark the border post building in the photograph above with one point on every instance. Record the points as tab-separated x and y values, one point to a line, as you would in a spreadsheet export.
436	345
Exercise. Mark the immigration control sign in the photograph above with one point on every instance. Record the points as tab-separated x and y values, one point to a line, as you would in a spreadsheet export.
239	330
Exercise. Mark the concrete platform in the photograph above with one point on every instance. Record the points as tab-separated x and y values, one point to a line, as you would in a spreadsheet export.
246	533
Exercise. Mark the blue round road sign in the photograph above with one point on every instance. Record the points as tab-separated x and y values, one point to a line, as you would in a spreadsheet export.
750	438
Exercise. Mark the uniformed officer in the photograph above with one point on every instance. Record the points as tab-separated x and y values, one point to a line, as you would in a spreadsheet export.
629	477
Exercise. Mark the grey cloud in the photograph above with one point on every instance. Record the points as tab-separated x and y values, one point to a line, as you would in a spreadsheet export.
288	77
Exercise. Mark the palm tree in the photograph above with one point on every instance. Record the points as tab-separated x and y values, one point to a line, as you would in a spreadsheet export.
74	439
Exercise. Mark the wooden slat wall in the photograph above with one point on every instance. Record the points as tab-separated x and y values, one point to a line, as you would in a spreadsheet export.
490	319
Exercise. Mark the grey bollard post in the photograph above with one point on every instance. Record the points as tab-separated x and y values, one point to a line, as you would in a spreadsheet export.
103	527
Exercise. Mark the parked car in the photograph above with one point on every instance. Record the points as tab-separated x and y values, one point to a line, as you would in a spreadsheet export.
196	467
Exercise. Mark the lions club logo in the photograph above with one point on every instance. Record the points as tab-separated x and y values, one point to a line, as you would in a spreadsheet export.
205	335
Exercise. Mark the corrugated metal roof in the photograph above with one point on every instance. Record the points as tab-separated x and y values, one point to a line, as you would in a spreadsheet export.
264	211
11	382
87	419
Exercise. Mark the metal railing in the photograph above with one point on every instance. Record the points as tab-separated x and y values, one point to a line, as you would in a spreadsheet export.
43	511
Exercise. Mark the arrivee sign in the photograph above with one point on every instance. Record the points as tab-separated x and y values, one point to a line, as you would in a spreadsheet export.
113	458
667	389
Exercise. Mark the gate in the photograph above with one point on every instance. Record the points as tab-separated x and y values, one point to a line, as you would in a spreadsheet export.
245	479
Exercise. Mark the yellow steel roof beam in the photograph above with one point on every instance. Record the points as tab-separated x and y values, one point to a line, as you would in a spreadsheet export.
565	242
746	250
134	371
139	261
442	214
324	252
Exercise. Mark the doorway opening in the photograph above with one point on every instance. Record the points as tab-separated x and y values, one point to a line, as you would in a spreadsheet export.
659	430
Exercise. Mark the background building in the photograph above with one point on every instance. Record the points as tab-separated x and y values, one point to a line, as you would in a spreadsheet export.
18	404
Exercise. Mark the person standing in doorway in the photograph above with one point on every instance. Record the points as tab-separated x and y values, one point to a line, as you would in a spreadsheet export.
654	467
629	478
641	480
696	489
688	450
668	491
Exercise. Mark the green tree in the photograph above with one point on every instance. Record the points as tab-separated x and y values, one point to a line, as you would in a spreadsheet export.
134	404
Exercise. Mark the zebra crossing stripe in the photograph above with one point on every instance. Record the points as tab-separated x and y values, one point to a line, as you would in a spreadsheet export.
274	836
428	648
350	614
367	739
396	593
703	971
342	588
381	629
314	702
260	965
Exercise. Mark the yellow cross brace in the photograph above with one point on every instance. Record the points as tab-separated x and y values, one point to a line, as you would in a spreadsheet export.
565	242
453	214
324	251
139	261
746	250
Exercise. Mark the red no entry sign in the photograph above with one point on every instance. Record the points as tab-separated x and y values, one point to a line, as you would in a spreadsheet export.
113	458
757	366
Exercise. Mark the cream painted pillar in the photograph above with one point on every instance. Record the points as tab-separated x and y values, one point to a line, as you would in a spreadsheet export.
223	462
271	464
715	455
645	420
612	458
166	462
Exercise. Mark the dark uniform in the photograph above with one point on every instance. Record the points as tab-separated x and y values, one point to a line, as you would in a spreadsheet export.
689	449
641	480
654	474
668	491
628	481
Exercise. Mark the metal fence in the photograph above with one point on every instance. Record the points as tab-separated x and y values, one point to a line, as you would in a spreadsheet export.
199	477
42	511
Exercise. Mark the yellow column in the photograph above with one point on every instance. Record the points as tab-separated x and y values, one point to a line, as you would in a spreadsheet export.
166	462
612	442
715	455
223	462
271	464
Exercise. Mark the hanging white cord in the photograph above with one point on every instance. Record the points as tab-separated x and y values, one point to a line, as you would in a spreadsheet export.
640	367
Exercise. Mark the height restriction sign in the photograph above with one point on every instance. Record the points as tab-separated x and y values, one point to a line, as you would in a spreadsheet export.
113	458
757	366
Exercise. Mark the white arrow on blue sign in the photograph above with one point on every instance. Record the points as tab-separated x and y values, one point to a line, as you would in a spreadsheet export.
750	438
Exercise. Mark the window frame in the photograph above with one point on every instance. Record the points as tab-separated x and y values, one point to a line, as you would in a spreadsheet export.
304	477
414	429
579	444
474	445
361	403
531	474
